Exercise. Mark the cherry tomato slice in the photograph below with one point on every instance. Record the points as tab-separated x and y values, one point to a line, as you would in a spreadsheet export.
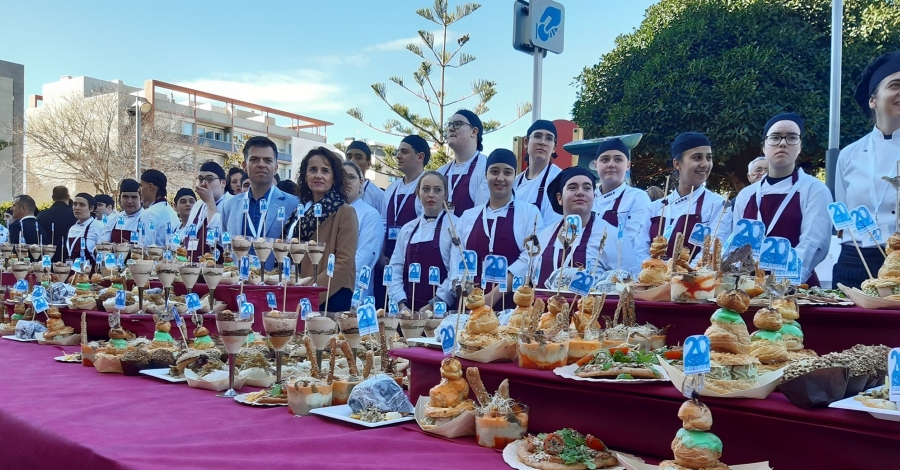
594	443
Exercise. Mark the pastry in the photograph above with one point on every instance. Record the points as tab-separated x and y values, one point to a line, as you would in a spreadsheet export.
728	332
694	447
735	300
792	336
653	272
481	330
448	399
787	308
695	416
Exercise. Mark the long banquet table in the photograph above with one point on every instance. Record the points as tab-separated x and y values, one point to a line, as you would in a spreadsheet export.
55	415
642	418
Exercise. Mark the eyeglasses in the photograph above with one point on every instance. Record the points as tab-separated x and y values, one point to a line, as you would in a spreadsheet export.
548	137
791	139
454	125
207	179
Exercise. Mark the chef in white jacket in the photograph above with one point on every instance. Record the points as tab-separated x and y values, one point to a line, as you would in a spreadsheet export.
371	228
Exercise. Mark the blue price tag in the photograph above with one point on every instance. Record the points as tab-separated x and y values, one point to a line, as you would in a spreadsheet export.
879	237
280	215
270	299
330	269
470	258
109	260
393	309
246	205
168	256
305	308
840	215
573	225
168	228
317	210
894	374
356	300
415	272
774	254
792	272
503	287
696	355
369	300
217	254
192	231
365	277
120	223
152	226
368	324
46	262
226	238
120	300
483	283
179	322
120	260
748	232
176	240
40	304
241	298
620	234
517	282
286	267
699	233
193	302
581	283
440	309
447	334
134	237
210	238
254	262
434	276
38	292
495	267
264	205
247	310
245	268
387	278
864	223
77	264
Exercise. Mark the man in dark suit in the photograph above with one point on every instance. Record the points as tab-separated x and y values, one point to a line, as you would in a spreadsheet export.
25	229
58	219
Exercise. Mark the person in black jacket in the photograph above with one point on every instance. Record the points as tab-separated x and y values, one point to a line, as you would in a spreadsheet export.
25	229
58	219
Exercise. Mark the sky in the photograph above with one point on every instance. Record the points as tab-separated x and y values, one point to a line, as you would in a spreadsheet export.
317	59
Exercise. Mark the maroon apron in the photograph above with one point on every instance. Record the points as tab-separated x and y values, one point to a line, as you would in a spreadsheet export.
792	213
612	216
202	247
579	258
538	201
688	220
75	244
461	199
504	241
120	236
426	254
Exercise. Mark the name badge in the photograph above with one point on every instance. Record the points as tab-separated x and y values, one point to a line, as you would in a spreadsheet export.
393	233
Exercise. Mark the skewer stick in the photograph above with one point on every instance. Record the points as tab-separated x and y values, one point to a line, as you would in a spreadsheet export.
662	215
861	257
878	245
327	291
465	279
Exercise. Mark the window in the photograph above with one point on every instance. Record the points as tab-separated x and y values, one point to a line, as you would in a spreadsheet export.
201	131
187	128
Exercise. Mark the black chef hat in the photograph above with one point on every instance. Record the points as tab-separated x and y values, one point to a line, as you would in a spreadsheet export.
558	183
878	70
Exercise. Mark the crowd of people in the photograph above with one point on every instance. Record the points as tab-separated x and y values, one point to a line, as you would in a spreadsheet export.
478	202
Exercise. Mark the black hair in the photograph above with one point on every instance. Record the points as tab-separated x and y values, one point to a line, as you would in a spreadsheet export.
337	169
27	201
260	141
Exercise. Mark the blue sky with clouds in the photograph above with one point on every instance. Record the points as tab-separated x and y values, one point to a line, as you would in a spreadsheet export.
316	58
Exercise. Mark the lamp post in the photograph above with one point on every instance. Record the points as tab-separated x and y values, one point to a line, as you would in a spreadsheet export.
138	110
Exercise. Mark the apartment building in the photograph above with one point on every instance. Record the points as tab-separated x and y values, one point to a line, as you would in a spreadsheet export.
12	115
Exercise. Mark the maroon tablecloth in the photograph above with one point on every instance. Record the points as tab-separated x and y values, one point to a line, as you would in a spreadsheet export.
140	325
55	415
642	418
825	329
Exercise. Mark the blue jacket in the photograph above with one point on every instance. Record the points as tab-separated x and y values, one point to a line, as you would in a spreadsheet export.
233	217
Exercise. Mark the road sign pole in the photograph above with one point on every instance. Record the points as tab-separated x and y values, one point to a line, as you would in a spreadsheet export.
538	80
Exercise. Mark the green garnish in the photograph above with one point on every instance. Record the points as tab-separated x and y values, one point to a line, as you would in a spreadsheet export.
624	377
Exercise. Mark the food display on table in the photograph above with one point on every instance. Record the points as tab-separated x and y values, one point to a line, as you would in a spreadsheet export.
209	373
57	331
691	285
619	365
877	397
412	324
525	302
565	449
779	339
482	329
276	395
653	269
544	338
819	381
343	384
450	398
379	398
499	419
622	330
585	339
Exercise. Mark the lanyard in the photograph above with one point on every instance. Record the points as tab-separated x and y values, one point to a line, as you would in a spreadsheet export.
450	174
262	214
491	230
671	220
543	183
70	244
399	207
794	187
557	245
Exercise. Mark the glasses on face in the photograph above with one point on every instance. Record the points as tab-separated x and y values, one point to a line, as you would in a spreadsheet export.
791	139
207	179
539	136
454	125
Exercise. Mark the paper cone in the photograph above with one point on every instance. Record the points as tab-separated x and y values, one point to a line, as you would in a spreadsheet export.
661	293
766	383
867	301
462	425
632	463
568	372
216	381
502	351
818	388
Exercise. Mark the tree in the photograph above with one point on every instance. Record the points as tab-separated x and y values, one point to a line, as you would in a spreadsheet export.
90	138
724	67
432	91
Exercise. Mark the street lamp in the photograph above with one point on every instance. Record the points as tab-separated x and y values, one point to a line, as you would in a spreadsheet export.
143	107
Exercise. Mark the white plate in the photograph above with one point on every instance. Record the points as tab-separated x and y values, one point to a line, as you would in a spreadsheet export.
427	342
855	405
13	337
162	374
343	412
63	359
568	372
242	399
511	457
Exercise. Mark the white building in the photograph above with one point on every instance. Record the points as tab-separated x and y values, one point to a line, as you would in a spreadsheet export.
12	106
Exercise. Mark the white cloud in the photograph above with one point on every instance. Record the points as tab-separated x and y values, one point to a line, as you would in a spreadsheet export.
298	91
400	44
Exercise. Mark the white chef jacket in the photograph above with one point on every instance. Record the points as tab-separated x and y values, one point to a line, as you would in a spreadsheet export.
131	224
419	230
398	191
857	181
162	215
608	259
371	239
527	190
478	189
815	233
199	214
709	215
635	206
372	195
77	231
523	226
